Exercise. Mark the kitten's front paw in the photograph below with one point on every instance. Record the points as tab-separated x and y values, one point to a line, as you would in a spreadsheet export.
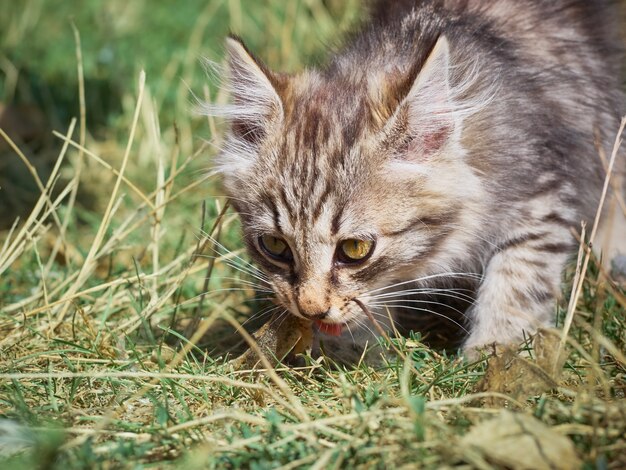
478	345
492	331
481	343
474	348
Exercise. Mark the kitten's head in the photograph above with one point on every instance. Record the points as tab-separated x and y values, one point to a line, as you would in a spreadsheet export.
345	179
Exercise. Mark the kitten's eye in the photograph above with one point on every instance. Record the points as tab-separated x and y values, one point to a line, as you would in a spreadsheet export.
275	248
354	250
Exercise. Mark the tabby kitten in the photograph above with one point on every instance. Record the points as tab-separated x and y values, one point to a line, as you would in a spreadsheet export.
446	140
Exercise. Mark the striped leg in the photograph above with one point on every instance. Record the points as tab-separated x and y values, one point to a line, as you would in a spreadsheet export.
521	283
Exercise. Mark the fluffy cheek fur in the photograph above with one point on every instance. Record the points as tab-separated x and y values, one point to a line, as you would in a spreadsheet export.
436	218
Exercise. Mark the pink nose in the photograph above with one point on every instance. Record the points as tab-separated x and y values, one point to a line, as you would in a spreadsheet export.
312	307
314	315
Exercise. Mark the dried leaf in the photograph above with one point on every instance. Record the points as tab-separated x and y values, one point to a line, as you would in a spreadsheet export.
279	339
520	441
546	351
510	374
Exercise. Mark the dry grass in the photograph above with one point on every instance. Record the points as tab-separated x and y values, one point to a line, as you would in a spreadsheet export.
113	323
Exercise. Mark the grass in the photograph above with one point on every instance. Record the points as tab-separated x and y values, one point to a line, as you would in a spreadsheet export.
110	354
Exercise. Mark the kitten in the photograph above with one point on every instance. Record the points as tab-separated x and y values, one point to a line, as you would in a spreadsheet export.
447	141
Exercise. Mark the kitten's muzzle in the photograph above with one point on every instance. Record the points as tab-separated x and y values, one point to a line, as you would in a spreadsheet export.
314	315
310	304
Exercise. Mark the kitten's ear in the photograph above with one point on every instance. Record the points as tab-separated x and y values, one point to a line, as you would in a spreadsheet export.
429	106
256	102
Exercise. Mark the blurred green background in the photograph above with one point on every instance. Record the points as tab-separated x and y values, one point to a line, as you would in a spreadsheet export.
168	39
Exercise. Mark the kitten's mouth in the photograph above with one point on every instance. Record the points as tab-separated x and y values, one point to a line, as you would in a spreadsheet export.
332	329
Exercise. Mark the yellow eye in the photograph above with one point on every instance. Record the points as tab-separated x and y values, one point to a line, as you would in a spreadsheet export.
275	247
354	250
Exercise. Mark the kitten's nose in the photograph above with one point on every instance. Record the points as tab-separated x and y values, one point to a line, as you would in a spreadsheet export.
315	315
310	303
311	309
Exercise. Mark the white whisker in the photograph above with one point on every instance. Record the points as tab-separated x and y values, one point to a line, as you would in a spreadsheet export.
398	304
222	247
408	307
450	293
248	283
260	313
427	278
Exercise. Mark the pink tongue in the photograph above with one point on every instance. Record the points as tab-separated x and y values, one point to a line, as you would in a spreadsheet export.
332	329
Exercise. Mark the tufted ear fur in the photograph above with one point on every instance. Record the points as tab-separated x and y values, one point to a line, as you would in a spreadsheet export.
255	100
429	114
255	106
